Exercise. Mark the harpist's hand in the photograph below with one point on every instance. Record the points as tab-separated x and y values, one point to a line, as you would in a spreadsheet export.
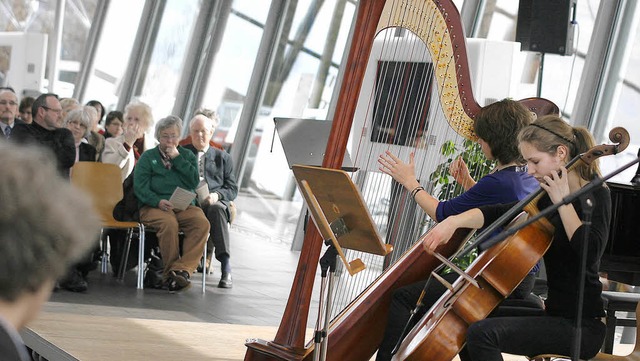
460	172
403	173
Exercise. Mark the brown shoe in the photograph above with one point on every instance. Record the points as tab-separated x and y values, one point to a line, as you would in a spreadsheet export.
179	281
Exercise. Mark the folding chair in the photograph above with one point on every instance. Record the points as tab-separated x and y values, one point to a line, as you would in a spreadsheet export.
103	183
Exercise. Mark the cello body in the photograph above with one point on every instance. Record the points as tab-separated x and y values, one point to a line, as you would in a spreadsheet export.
440	334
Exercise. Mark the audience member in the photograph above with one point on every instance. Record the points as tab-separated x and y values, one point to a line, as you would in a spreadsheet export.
78	122
41	233
100	109
113	124
68	104
124	150
93	137
157	174
215	167
46	130
25	109
8	112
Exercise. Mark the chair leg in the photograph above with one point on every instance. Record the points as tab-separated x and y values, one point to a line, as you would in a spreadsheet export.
125	256
205	270
610	333
141	262
104	254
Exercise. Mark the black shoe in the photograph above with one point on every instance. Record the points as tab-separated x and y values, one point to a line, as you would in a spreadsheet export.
74	282
179	281
225	281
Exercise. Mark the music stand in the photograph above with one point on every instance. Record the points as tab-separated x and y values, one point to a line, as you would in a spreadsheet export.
304	141
343	221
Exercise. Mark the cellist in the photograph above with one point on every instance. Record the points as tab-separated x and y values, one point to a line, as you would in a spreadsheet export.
547	145
497	126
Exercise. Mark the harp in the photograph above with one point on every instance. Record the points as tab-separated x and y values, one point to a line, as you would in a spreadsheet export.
436	32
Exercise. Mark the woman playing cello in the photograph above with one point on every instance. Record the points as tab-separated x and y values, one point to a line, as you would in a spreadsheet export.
547	145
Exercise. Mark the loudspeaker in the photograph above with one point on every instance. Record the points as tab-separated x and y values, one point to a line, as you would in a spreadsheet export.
545	26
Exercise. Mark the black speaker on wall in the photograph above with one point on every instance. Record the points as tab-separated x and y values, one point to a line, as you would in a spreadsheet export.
545	26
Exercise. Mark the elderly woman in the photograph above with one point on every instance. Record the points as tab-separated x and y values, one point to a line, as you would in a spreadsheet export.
78	122
157	174
125	149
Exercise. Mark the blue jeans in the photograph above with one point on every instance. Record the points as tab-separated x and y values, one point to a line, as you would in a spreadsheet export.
530	336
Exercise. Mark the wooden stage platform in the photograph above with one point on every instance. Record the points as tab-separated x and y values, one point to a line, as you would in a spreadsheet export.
63	336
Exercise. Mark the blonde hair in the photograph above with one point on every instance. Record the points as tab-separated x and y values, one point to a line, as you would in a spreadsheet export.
550	131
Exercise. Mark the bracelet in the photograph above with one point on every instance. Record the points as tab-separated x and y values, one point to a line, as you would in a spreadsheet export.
415	191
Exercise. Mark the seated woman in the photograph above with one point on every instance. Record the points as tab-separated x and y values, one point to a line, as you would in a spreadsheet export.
157	174
125	149
78	122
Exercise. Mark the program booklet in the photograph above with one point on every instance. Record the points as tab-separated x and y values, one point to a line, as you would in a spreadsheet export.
202	191
181	198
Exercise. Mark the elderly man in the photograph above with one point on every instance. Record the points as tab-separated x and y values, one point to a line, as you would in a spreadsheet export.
215	167
56	223
8	112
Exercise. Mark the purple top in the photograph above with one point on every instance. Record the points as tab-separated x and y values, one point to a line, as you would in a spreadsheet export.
508	185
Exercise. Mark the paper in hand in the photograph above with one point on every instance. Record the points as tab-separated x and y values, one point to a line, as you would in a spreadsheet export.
181	198
203	191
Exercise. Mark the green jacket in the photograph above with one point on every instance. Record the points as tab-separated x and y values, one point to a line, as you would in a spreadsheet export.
153	182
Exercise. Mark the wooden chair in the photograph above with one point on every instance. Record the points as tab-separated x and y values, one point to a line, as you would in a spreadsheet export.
103	183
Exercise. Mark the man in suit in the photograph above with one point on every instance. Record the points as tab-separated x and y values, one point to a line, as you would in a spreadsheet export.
8	111
45	225
215	167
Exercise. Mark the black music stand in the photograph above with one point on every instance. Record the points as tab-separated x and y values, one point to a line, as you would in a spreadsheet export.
343	221
304	141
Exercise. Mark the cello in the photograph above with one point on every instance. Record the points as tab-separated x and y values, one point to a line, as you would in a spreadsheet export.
495	273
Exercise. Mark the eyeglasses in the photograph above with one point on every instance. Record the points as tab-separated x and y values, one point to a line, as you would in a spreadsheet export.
10	102
57	111
169	137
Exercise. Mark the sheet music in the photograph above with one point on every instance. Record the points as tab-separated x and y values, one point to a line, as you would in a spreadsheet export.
181	198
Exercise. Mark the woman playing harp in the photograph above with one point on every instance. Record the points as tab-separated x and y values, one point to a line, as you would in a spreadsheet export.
497	126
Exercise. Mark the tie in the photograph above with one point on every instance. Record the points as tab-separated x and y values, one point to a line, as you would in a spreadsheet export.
7	132
201	165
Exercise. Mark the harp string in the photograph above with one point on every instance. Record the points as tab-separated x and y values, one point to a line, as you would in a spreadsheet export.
391	206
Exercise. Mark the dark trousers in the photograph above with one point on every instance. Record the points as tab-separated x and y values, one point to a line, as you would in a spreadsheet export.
218	217
404	301
530	336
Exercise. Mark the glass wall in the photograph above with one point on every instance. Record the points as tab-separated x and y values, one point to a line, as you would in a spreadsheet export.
113	51
39	17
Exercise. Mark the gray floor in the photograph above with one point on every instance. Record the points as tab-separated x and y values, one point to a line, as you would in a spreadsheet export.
263	268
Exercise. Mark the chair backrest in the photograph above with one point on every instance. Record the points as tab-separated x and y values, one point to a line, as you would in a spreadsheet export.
102	182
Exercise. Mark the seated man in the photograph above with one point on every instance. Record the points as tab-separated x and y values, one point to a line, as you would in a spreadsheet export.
157	174
215	167
41	215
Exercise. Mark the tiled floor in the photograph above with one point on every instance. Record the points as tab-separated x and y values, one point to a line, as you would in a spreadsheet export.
263	266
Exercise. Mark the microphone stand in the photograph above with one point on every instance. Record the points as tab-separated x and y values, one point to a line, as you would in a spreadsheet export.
587	211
